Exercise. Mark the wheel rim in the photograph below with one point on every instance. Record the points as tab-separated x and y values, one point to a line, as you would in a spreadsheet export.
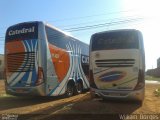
79	88
69	91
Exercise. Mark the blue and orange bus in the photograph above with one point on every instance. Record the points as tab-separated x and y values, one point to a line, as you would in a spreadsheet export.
44	61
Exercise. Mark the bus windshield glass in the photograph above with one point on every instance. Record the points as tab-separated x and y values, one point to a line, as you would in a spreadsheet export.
115	40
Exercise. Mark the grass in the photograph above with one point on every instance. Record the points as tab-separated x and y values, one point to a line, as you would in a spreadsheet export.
147	77
157	92
4	95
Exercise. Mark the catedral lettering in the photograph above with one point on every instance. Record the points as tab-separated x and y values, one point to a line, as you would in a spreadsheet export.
22	31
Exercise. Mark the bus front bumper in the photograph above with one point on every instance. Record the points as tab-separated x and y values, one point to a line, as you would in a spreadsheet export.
137	95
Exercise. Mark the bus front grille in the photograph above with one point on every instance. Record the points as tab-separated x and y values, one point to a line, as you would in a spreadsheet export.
115	63
21	62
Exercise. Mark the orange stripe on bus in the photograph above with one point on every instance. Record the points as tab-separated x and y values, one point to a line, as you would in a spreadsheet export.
14	47
60	59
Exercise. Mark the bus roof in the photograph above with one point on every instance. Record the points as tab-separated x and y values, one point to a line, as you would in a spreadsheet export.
23	23
116	30
49	25
65	33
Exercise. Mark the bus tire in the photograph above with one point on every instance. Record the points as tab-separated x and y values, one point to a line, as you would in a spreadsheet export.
79	88
70	90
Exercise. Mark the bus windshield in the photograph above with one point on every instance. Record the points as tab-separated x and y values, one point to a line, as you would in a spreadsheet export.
115	40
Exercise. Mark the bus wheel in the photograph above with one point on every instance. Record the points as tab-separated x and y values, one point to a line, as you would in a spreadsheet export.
79	88
70	90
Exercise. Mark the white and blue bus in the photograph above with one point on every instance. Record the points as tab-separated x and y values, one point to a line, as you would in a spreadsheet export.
117	64
42	60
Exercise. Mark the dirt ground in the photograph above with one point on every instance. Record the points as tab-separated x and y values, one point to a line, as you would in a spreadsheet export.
2	89
77	107
151	104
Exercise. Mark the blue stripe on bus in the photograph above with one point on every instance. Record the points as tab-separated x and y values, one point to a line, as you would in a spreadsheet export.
125	82
22	82
112	76
50	93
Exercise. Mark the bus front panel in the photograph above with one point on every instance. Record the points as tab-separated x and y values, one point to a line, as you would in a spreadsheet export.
116	62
